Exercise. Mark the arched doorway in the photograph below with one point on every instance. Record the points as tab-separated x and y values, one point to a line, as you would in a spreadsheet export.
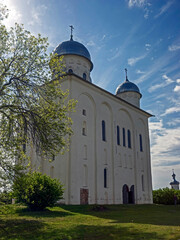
131	195
125	192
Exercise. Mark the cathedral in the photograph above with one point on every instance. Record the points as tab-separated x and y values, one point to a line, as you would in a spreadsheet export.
108	161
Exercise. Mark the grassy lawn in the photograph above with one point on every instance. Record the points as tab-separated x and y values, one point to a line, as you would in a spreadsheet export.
83	222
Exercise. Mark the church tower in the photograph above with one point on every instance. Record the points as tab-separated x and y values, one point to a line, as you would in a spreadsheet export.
129	92
76	58
175	183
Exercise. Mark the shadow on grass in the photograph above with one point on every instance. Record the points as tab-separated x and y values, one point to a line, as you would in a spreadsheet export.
43	214
16	228
36	230
143	214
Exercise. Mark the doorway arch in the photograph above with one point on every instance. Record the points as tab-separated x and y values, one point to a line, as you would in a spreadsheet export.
131	195
125	192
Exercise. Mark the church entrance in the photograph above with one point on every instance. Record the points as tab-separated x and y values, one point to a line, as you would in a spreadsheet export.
84	194
125	193
128	196
131	195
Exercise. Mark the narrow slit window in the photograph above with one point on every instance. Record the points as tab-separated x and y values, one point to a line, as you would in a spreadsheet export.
140	143
103	130
124	137
129	139
105	177
84	112
84	76
118	135
84	129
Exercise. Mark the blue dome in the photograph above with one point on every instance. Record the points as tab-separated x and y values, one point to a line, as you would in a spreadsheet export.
74	48
127	86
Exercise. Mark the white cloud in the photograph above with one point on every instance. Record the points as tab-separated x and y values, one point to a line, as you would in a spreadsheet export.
148	46
164	8
130	36
163	84
178	80
133	61
177	89
139	72
104	36
36	15
165	144
160	63
91	43
174	122
136	3
174	48
144	4
171	110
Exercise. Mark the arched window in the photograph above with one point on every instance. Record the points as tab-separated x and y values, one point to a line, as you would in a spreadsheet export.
103	130
105	177
129	139
84	76
140	143
84	131
124	137
118	136
142	181
84	112
70	71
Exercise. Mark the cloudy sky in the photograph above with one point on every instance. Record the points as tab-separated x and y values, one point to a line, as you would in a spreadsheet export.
140	35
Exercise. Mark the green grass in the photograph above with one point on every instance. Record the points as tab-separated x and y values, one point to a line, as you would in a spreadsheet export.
82	222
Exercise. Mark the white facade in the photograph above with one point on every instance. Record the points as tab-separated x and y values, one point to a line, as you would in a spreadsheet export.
108	161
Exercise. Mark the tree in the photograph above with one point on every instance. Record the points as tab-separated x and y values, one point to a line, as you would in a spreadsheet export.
33	108
37	191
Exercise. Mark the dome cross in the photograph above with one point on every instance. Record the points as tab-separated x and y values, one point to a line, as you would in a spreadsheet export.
126	74
71	26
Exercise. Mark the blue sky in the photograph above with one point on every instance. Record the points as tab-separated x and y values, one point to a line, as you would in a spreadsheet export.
140	35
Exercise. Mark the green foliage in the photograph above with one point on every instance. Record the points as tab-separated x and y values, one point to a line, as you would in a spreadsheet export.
37	191
5	197
166	196
33	108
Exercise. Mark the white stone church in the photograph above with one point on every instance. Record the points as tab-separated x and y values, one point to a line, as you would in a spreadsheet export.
109	157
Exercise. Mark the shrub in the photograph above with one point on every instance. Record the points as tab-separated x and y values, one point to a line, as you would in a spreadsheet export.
5	197
37	191
166	196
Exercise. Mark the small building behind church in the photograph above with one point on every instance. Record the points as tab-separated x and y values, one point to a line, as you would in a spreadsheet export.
108	161
175	183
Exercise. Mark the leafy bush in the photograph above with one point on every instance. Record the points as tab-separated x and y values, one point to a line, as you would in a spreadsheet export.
166	196
5	197
37	191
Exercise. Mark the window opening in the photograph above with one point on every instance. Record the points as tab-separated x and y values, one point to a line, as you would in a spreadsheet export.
118	136
84	132
129	139
103	130
140	142
84	76
84	112
70	71
124	137
105	177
